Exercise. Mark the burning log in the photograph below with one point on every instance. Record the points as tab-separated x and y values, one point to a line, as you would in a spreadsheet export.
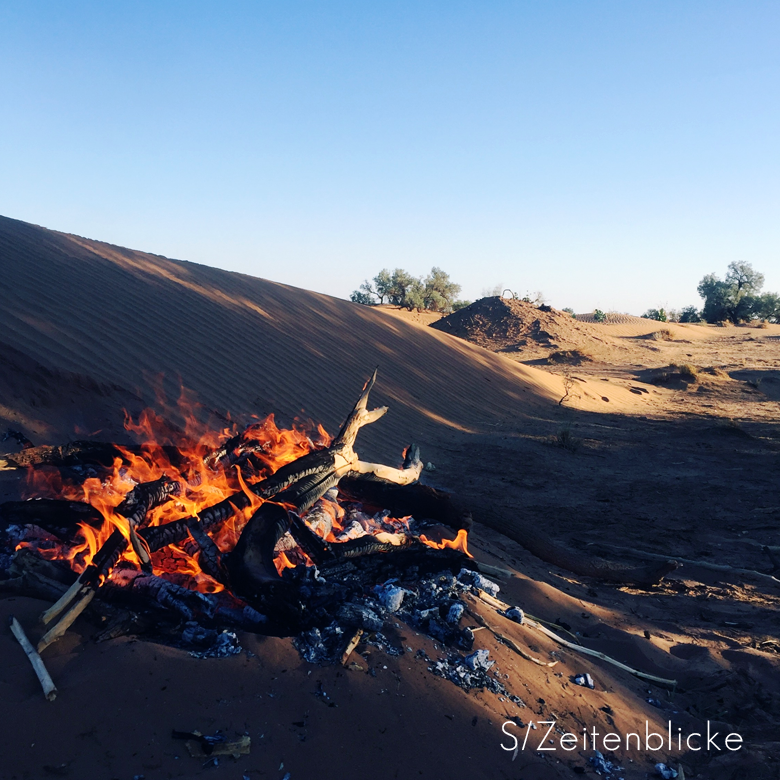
137	504
279	505
58	517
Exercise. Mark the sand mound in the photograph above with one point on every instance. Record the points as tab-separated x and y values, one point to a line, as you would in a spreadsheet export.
505	325
626	325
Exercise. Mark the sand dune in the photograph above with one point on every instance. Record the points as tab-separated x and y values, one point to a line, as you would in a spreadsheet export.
244	345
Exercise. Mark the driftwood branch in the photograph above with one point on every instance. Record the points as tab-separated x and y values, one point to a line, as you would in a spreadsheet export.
493	601
507	641
49	689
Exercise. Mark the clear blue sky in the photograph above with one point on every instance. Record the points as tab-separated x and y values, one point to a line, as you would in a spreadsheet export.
608	154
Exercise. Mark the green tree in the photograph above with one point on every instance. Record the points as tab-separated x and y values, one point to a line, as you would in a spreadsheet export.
439	291
599	316
690	314
360	296
736	298
655	314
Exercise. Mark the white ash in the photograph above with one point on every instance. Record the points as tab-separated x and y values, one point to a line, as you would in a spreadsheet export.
286	542
319	520
478	660
455	612
225	645
390	596
585	680
321	646
353	530
601	764
477	580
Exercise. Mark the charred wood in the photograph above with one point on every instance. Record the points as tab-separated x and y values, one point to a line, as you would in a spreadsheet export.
251	564
421	501
18	437
59	517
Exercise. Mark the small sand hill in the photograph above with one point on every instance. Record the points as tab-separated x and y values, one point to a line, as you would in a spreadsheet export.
530	332
627	325
128	320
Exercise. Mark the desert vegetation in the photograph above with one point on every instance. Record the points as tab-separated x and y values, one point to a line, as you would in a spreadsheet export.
435	292
738	297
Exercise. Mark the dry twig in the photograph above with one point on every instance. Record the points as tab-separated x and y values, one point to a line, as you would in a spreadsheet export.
49	689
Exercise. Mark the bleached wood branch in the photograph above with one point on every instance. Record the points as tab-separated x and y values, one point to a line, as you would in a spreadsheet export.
49	689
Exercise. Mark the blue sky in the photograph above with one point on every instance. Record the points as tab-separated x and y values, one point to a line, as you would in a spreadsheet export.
608	154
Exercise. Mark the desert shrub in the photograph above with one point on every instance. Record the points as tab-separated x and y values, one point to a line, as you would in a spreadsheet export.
686	371
575	356
599	316
675	371
566	440
662	335
690	314
570	311
361	296
458	305
655	314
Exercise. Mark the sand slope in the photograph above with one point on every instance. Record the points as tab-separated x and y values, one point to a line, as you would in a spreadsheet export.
244	345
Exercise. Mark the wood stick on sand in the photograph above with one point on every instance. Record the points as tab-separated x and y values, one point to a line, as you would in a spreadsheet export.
498	604
49	689
353	643
506	640
58	630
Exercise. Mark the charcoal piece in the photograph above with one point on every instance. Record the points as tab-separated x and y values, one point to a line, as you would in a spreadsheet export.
160	536
440	631
18	437
243	617
464	639
455	613
127	584
145	497
359	616
210	558
316	548
73	453
478	660
195	635
516	614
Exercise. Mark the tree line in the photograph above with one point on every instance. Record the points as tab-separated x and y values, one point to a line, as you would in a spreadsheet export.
435	292
736	298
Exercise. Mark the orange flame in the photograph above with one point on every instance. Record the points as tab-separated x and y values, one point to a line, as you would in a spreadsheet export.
458	543
178	450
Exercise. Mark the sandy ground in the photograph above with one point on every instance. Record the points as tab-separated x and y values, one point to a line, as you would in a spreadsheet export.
631	458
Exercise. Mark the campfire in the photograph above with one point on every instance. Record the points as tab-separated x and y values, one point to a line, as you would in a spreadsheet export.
272	530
